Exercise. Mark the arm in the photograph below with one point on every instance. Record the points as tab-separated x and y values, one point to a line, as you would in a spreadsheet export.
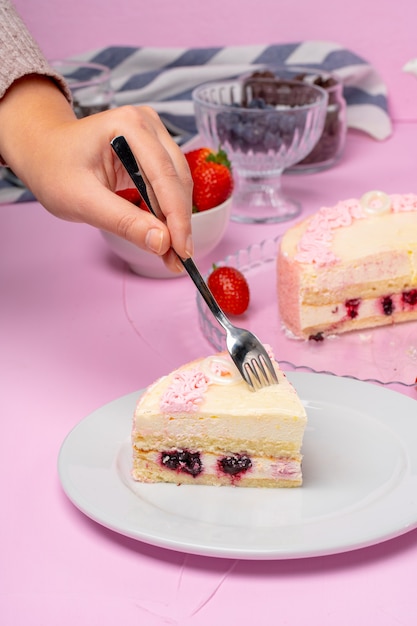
19	53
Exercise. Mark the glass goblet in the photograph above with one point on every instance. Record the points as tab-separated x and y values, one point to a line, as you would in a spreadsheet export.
261	140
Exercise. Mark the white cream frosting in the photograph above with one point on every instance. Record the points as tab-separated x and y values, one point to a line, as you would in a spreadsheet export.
225	410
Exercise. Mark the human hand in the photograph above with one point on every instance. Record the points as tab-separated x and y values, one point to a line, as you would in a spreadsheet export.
71	168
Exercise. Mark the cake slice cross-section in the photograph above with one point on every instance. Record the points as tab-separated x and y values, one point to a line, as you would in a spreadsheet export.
350	266
203	425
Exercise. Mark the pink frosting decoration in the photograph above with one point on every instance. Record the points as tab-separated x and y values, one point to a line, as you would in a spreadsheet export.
185	392
404	202
315	246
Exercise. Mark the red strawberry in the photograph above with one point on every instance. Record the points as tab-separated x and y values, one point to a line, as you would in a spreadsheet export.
133	196
213	181
196	157
230	288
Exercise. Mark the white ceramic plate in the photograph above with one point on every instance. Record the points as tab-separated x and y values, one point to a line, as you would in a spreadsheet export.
360	481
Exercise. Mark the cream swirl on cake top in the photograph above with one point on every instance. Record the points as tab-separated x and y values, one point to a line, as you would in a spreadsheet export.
315	245
188	387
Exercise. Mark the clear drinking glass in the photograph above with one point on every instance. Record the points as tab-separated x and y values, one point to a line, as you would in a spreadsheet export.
261	140
89	84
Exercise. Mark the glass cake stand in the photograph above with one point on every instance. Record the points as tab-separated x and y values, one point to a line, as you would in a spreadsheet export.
386	355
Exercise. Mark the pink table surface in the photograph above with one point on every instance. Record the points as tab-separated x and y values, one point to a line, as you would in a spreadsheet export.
79	330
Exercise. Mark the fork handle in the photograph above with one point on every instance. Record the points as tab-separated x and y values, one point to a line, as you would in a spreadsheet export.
202	287
126	156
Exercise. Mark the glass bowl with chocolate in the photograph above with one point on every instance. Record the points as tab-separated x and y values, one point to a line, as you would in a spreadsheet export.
329	147
261	138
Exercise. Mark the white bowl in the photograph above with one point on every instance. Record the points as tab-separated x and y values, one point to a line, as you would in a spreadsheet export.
208	229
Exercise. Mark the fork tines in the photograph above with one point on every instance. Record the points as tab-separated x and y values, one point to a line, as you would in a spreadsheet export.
259	372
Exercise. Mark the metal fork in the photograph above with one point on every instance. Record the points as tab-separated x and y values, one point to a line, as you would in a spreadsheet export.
245	349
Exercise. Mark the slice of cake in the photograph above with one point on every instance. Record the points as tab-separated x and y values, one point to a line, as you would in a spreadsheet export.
203	425
350	266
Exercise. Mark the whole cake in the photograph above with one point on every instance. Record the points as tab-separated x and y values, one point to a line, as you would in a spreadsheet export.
350	266
203	425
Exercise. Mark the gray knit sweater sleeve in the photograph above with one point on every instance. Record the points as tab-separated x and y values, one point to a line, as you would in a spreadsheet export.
19	53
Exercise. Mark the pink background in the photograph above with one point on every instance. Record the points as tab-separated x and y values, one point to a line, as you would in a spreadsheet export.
76	328
381	31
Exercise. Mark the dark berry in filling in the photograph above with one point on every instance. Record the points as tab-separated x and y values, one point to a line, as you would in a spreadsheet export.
316	337
410	297
234	464
182	461
387	305
352	307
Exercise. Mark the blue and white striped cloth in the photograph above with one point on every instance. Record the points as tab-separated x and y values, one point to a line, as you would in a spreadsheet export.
164	78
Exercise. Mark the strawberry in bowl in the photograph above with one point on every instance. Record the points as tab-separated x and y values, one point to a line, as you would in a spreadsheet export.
213	186
212	177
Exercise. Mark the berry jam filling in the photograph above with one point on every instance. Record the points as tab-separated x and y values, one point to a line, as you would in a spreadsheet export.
234	464
352	307
387	305
409	297
182	461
